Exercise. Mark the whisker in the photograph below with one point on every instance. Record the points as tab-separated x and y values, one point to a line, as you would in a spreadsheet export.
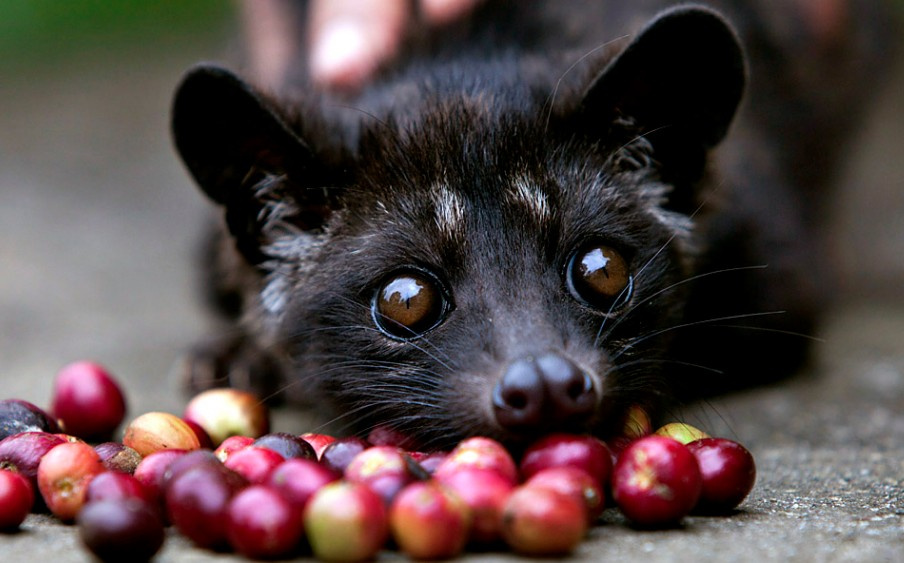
701	322
705	421
650	298
362	111
640	361
643	268
552	97
810	337
699	277
412	343
669	240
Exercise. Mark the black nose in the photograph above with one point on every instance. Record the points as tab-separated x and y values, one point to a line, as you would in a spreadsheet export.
546	393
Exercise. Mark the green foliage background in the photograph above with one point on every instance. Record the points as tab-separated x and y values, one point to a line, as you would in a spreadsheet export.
34	30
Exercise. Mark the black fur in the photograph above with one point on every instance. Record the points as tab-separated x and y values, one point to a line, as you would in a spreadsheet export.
325	200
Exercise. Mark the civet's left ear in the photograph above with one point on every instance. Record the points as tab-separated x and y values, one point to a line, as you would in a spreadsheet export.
230	139
679	83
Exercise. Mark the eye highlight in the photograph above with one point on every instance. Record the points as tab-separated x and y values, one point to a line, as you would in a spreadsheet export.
409	304
599	276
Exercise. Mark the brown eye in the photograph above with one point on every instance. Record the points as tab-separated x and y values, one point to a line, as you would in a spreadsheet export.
409	305
598	275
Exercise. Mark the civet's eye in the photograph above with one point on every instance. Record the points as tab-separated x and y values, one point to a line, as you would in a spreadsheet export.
409	304
598	275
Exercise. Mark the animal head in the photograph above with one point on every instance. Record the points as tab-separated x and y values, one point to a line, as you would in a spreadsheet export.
483	261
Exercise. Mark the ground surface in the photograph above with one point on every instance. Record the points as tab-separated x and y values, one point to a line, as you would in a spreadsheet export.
97	226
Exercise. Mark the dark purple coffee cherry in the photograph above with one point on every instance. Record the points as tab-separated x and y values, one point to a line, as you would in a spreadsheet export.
124	529
18	416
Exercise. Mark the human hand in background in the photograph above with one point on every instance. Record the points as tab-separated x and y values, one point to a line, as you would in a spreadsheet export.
349	40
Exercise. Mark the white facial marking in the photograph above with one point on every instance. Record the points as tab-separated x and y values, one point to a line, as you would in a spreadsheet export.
450	210
526	194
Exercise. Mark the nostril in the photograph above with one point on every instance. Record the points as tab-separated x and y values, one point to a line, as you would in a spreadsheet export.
516	400
570	390
510	398
580	387
519	397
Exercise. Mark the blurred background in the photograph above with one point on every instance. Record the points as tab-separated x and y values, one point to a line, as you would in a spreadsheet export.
99	223
98	220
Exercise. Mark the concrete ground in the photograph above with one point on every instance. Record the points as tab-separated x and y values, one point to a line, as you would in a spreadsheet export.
98	223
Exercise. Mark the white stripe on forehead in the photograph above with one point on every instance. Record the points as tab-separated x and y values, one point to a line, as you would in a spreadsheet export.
527	195
449	209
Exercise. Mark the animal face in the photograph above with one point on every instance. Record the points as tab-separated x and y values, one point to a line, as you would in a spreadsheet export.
485	263
497	293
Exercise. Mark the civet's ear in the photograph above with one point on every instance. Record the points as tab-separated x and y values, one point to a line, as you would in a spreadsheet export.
230	140
678	82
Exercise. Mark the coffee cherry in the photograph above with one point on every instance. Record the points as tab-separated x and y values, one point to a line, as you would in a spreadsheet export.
728	472
18	416
318	441
204	441
387	436
431	462
151	471
297	480
253	463
88	401
382	468
121	529
556	450
226	412
261	524
118	457
63	476
346	522
480	453
197	499
340	453
190	460
23	452
287	445
16	499
541	521
231	445
656	481
684	433
636	424
429	522
485	492
572	481
112	485
155	431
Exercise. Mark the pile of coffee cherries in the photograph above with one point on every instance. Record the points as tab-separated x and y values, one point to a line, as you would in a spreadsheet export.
222	479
